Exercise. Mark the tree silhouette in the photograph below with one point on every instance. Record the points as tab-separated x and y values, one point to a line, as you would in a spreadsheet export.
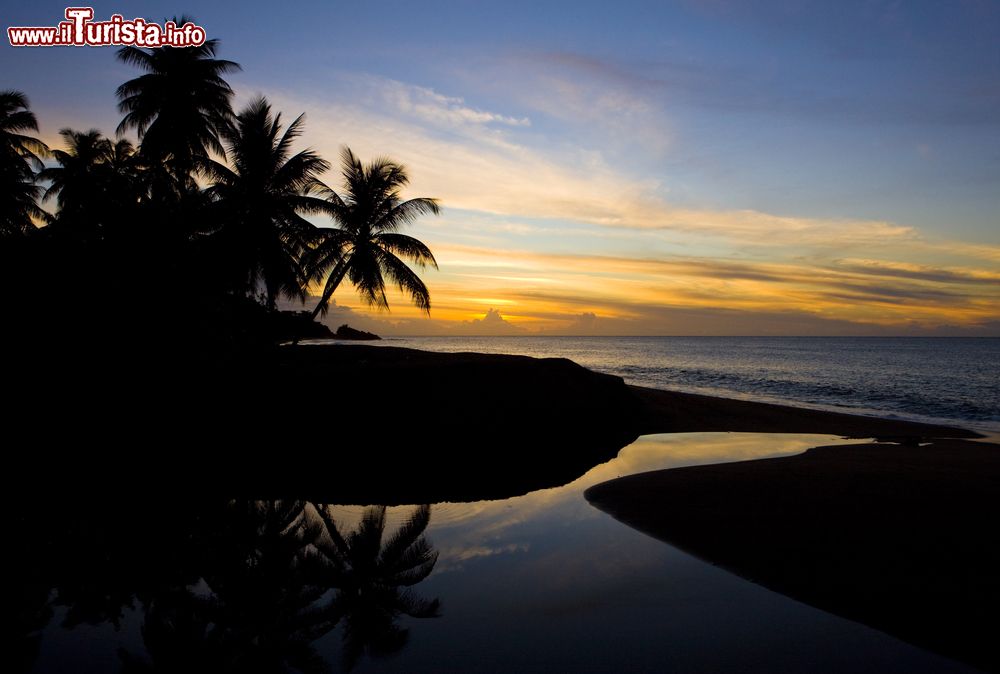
365	246
180	107
277	576
369	573
257	608
262	198
20	157
95	181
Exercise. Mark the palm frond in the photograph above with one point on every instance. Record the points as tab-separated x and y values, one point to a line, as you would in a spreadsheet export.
416	607
406	280
406	535
365	274
134	56
407	247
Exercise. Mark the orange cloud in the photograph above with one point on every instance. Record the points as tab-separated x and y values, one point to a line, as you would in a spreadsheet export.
547	292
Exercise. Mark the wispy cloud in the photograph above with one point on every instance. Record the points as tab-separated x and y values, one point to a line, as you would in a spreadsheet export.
522	199
496	291
430	106
476	172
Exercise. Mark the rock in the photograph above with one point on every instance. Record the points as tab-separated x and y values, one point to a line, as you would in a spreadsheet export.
347	332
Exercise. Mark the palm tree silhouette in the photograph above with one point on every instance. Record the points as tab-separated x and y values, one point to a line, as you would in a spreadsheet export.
94	182
20	157
223	585
369	574
259	608
262	197
366	246
177	632
269	569
76	177
179	107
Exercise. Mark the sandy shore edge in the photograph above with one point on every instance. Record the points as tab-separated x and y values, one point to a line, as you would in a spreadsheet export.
902	538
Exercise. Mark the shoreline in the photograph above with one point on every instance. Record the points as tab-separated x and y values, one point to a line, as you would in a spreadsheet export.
675	411
981	426
371	423
901	538
669	411
530	423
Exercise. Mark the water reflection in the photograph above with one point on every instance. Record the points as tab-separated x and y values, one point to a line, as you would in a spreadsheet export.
369	571
240	586
541	582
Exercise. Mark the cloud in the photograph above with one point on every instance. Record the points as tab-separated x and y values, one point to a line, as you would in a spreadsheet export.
454	558
606	295
336	314
492	323
484	167
428	105
919	272
584	324
960	97
482	170
699	321
594	98
499	187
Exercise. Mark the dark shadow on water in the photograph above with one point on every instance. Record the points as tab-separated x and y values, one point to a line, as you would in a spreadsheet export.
219	586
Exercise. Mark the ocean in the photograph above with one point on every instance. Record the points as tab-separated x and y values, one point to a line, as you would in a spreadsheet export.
947	379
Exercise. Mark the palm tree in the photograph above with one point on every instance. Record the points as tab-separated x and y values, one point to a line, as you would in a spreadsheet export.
262	608
79	165
368	574
95	183
366	246
125	169
179	107
263	196
20	157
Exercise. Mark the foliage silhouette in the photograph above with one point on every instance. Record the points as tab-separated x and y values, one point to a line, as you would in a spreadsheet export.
208	210
264	580
369	571
94	182
180	106
20	156
365	247
262	197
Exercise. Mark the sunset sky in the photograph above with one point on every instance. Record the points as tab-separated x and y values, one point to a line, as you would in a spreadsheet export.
674	168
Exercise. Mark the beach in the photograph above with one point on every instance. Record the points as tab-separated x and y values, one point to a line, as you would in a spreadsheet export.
512	424
900	537
897	534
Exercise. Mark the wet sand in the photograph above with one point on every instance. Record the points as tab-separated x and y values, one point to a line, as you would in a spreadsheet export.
674	412
902	538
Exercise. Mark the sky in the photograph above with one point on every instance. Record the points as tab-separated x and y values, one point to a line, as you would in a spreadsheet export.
699	167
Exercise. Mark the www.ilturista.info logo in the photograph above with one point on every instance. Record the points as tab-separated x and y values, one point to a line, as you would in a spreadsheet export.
79	30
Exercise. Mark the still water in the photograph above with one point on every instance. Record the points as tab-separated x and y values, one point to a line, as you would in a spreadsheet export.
540	582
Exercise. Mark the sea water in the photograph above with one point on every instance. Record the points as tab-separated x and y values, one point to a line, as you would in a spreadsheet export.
950	379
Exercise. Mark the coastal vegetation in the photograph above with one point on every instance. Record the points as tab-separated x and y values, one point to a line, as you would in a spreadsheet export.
209	222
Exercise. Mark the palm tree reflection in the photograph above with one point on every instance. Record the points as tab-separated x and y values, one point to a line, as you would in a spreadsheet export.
279	576
369	573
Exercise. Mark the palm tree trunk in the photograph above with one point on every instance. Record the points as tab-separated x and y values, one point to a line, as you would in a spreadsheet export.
336	276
